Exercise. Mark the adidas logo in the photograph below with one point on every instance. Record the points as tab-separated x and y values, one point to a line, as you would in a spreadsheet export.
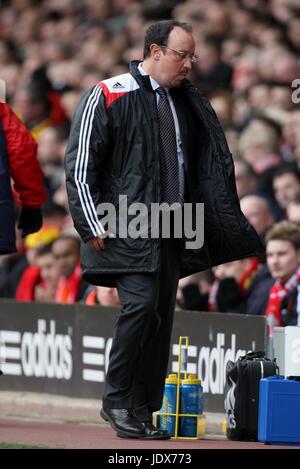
118	86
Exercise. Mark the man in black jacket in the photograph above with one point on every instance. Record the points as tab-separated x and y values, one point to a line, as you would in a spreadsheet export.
149	137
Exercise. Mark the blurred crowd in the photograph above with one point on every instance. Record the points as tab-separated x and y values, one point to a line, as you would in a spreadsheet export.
249	57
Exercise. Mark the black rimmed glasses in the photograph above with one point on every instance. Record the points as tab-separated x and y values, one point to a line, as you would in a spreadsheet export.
181	55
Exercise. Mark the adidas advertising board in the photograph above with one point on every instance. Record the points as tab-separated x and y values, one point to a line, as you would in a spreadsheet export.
64	350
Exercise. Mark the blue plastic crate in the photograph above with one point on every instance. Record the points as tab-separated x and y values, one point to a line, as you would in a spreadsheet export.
279	410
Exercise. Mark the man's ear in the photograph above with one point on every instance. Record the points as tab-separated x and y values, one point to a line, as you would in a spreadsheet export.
155	51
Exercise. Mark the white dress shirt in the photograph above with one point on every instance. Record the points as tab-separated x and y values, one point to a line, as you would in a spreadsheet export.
180	157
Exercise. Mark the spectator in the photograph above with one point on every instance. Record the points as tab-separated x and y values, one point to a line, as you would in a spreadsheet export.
38	104
18	160
211	73
39	281
243	287
283	258
293	210
33	106
49	274
286	184
259	145
51	150
54	215
245	178
222	103
291	136
26	275
259	97
280	97
71	286
258	213
293	31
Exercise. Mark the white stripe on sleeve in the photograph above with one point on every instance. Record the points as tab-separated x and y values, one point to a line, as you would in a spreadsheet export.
82	158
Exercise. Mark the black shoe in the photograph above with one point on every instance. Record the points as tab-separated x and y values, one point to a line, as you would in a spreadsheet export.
124	422
154	432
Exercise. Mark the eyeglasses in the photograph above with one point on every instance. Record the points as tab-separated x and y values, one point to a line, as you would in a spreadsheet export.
181	55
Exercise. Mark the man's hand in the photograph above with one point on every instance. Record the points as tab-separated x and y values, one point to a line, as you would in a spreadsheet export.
98	243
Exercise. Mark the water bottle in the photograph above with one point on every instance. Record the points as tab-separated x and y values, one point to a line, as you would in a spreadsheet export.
191	402
166	422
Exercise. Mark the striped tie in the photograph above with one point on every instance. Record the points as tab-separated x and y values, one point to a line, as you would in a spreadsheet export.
170	170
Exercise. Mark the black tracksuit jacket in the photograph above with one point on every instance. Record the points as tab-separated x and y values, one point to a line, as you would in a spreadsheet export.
114	150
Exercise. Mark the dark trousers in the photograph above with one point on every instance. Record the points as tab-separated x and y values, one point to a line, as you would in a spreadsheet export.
142	334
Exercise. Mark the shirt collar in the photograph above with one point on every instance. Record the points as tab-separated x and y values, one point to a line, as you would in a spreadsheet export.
153	82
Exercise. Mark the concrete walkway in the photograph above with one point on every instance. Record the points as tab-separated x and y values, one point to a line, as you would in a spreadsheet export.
59	435
50	407
63	422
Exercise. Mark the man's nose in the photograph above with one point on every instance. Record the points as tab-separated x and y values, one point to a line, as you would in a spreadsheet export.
188	63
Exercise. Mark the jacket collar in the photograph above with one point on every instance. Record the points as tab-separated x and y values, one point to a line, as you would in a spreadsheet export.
142	80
